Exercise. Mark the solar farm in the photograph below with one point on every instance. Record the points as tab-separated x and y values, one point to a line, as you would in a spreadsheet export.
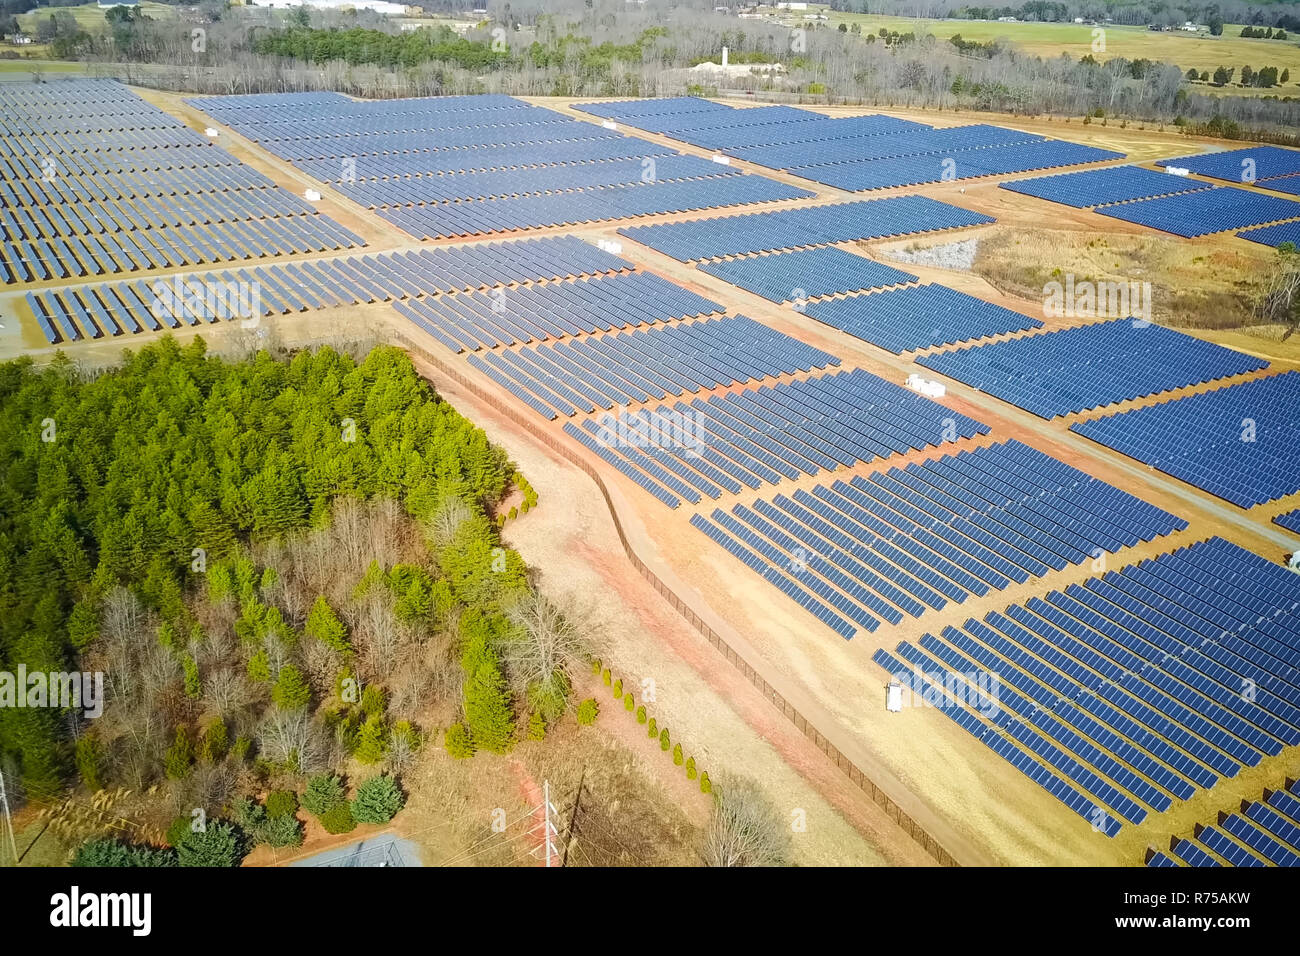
873	478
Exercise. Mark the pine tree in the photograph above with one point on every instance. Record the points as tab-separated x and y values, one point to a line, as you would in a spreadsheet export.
372	741
487	705
324	625
180	756
291	691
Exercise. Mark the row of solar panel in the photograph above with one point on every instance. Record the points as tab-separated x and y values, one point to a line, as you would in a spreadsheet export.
954	165
20	188
758	436
36	165
495	183
76	256
535	313
442	162
479	217
1247	165
70	314
1274	235
1140	674
72	101
148	212
942	530
793	228
908	143
1072	370
806	274
1240	443
1289	520
1265	833
1207	211
1103	187
653	363
902	320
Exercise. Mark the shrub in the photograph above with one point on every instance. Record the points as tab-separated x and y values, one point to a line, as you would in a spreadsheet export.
281	831
215	742
628	703
595	668
217	845
588	711
180	756
339	819
104	852
178	830
457	742
536	727
640	714
690	768
652	729
378	800
324	792
705	785
606	676
618	689
280	803
677	755
664	742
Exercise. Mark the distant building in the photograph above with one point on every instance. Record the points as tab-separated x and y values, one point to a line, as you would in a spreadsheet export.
791	6
375	6
109	4
1007	20
20	39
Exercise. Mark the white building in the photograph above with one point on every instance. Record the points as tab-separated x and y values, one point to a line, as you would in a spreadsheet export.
376	6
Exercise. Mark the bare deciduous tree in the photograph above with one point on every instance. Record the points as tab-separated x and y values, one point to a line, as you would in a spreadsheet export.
745	829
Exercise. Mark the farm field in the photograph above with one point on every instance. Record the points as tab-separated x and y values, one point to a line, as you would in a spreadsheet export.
1048	40
553	292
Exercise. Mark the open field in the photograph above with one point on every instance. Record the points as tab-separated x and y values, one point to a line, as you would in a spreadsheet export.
1049	40
597	534
90	16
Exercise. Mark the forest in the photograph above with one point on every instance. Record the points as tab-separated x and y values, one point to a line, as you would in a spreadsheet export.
288	572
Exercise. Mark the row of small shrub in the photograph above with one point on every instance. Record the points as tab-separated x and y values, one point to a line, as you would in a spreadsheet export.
529	502
642	717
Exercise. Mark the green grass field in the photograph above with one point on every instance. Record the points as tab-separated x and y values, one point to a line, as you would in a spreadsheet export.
90	16
1187	50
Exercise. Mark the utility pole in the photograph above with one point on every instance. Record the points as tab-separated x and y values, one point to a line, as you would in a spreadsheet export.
9	820
550	824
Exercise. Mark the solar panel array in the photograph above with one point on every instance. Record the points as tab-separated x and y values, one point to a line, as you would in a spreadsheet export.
1290	520
1125	693
1071	370
582	375
1266	832
760	436
443	167
95	181
92	311
794	228
853	153
806	273
1102	187
1208	211
1274	235
477	320
901	320
1240	443
893	544
1251	164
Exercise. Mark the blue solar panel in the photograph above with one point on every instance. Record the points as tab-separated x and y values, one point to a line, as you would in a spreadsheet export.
1101	187
1071	370
1240	443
